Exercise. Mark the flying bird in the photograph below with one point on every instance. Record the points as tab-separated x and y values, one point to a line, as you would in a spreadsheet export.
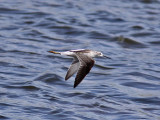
82	63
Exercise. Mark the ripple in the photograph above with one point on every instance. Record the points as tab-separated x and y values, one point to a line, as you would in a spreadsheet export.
22	52
149	1
155	43
49	78
30	88
138	27
3	117
142	34
23	87
144	75
103	67
142	85
152	100
97	35
130	43
67	30
33	33
10	11
79	94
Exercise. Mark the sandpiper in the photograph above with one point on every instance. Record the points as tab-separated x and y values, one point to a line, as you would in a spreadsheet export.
82	63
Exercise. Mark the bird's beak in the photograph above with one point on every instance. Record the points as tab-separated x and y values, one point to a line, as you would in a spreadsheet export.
54	52
106	57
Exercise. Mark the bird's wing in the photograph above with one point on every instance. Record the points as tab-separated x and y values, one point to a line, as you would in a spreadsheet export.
73	68
86	63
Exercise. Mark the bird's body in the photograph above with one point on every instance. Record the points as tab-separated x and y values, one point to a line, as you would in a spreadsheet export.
82	63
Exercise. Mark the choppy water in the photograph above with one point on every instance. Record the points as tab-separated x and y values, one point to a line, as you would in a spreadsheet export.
32	85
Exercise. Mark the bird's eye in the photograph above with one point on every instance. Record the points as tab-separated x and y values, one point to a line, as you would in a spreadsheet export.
100	54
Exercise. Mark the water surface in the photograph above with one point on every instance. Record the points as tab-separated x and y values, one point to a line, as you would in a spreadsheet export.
32	84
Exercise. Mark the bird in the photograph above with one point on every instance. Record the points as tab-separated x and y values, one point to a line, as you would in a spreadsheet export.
82	63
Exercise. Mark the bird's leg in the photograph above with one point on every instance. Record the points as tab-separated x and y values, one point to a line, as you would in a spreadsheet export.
54	52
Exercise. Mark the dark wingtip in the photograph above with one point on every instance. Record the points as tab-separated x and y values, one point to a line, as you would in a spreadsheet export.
66	79
74	86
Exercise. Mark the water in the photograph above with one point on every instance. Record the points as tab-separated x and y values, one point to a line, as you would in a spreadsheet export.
32	85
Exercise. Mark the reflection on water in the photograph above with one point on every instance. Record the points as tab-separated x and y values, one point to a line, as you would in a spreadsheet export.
32	84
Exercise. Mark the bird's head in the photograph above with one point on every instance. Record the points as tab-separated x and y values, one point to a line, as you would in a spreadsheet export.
100	54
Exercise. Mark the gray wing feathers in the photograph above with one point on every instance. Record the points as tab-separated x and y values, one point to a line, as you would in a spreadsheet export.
86	63
73	68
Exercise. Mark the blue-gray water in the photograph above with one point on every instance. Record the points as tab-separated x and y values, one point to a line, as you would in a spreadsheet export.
32	85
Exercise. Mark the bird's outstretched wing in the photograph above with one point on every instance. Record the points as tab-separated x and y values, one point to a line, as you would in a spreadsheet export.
86	63
73	68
